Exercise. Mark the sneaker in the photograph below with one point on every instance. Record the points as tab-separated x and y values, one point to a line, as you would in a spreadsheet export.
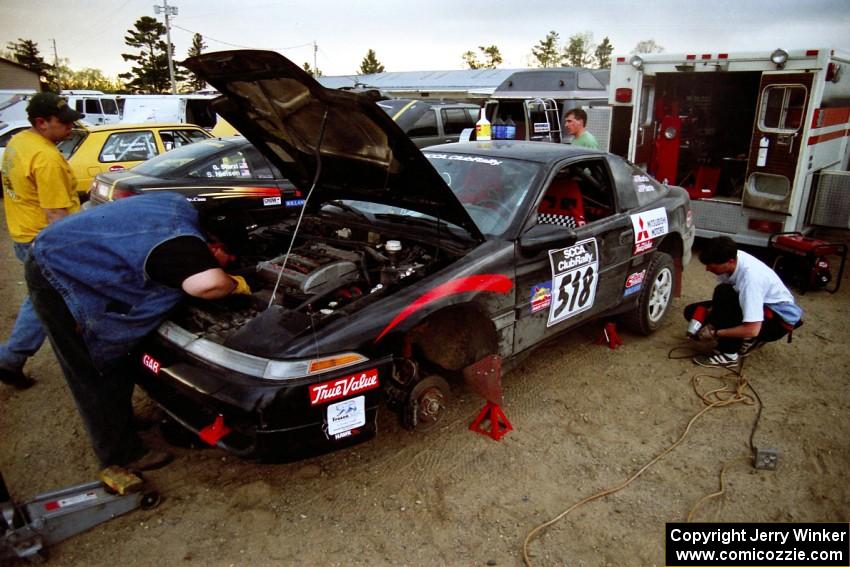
749	346
717	359
152	459
16	378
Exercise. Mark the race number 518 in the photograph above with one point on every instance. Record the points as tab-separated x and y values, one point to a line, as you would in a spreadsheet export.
575	273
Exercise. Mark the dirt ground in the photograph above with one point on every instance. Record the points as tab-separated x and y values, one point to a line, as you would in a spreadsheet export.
585	418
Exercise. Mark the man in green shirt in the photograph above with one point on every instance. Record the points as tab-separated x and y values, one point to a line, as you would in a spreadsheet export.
575	123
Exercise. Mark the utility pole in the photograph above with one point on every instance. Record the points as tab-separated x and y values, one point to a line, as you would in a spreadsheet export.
168	11
315	64
56	66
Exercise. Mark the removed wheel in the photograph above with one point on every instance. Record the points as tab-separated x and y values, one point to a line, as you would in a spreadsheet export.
427	403
654	300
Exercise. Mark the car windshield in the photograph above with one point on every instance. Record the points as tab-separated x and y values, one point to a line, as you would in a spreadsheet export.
69	145
165	164
491	189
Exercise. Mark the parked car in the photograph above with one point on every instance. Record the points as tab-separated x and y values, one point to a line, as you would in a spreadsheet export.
431	122
7	130
207	173
407	267
115	147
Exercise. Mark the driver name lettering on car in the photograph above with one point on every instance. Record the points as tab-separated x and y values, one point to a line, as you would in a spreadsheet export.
456	157
575	273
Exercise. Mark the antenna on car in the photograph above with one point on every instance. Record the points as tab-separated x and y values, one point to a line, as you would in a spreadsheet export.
303	207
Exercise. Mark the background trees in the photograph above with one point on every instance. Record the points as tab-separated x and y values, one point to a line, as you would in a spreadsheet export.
492	58
370	64
149	73
194	82
25	52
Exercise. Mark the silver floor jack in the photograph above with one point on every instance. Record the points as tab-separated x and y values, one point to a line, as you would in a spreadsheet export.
27	529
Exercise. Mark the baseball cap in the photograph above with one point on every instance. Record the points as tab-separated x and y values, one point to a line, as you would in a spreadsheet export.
45	105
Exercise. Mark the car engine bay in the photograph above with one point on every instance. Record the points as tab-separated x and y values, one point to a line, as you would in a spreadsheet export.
334	269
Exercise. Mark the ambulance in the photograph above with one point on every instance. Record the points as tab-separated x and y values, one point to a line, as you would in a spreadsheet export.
759	139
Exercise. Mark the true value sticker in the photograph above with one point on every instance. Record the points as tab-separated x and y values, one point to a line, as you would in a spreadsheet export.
331	390
575	273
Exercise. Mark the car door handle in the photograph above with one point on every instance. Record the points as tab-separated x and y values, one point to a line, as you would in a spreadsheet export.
626	236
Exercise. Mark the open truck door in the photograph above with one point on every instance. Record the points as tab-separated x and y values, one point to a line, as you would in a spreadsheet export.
644	124
784	100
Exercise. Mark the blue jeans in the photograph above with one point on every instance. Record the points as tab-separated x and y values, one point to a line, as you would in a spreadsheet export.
104	400
27	334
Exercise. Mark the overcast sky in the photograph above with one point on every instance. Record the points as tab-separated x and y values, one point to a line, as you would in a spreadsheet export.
429	35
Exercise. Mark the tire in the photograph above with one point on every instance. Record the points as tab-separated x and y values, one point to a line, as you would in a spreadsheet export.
655	297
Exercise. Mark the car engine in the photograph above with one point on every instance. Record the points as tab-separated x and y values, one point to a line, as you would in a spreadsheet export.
331	271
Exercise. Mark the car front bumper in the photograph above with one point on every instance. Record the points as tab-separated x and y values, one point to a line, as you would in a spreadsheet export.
280	419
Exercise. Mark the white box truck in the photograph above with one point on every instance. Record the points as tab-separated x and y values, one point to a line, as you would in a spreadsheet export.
759	139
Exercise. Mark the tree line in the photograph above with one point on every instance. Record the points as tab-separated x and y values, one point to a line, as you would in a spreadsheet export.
149	60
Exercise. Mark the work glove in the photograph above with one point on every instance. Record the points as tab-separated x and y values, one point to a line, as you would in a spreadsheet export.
242	287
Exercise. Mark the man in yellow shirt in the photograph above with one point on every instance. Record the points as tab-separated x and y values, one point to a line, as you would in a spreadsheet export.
39	189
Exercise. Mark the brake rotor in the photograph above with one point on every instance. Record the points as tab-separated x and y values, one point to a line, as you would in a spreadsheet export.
428	402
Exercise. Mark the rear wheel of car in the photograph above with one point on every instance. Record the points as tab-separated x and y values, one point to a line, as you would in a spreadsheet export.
655	296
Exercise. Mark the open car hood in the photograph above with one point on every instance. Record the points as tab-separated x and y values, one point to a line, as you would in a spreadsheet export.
365	156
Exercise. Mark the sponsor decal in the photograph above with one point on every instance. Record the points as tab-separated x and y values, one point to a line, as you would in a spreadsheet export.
294	202
575	273
648	225
346	415
634	282
541	296
150	363
541	127
269	201
343	387
196	199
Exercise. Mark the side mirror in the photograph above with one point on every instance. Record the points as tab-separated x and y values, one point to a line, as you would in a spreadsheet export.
546	236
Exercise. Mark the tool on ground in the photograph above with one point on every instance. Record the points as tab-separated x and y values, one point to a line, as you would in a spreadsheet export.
485	378
27	529
609	336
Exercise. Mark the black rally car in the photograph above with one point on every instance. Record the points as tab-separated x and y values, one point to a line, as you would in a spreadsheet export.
407	267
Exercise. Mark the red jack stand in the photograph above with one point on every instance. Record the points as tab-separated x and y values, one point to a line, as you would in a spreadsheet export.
485	378
609	336
499	424
215	431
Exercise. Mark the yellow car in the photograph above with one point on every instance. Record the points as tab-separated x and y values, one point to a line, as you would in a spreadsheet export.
115	147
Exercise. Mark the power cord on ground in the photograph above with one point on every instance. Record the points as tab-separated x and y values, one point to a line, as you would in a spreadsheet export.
726	395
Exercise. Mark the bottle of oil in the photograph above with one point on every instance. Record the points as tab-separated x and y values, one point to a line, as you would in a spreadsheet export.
482	128
510	129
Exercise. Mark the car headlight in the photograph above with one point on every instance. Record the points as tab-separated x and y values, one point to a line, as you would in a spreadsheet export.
251	365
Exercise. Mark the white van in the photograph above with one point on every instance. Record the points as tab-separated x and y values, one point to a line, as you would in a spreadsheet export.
187	109
99	108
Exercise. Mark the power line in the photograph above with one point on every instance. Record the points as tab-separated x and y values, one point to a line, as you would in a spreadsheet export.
205	36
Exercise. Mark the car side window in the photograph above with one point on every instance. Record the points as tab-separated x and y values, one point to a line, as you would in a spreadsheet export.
455	120
261	168
580	193
128	146
233	164
425	126
177	138
92	106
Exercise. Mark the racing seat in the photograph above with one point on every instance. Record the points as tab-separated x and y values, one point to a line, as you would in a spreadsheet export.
563	204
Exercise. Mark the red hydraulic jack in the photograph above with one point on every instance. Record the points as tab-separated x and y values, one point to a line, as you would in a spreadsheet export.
485	378
609	336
